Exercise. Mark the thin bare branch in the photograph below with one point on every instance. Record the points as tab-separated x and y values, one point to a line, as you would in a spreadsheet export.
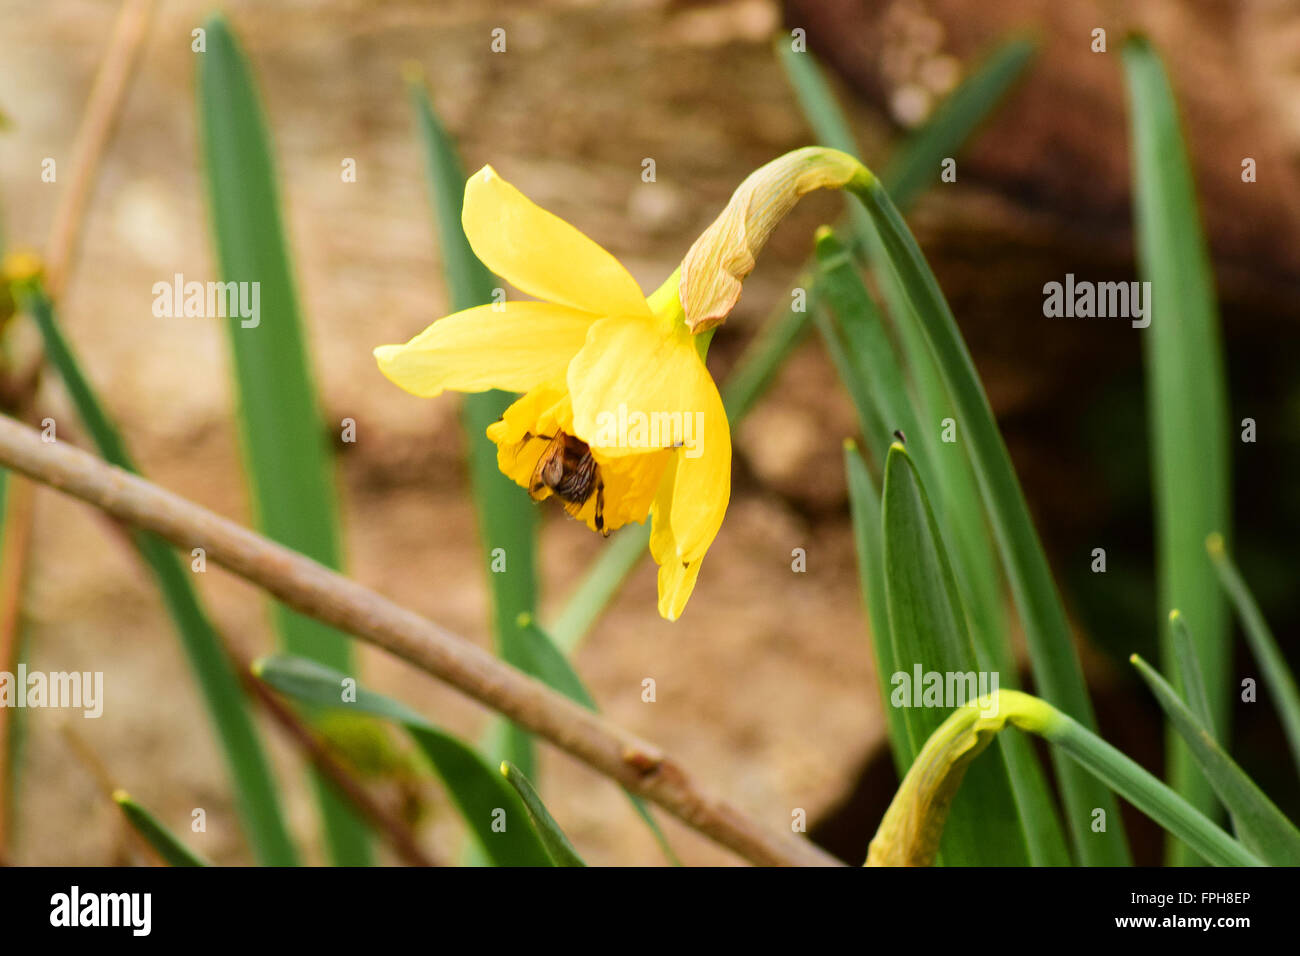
313	589
107	94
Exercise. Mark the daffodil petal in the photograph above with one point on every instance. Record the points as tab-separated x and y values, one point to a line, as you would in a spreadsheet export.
637	387
676	577
513	346
676	584
542	254
702	488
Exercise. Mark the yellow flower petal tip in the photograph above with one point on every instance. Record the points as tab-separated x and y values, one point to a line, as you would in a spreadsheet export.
1175	615
726	252
850	445
121	796
898	446
1214	543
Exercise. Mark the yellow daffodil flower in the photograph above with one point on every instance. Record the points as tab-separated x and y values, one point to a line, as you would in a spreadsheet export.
619	417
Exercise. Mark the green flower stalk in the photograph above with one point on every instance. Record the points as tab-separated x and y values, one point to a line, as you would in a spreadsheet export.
909	833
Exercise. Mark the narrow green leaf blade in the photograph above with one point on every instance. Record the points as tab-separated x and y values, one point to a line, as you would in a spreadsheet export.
286	456
955	120
1186	394
929	634
256	795
1278	679
476	788
507	519
1055	661
169	847
916	163
557	844
1190	677
1149	794
864	505
1259	823
875	365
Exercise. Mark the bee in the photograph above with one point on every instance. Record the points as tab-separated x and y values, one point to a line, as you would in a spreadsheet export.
566	467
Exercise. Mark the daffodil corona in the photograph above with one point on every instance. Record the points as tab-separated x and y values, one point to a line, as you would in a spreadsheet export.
618	417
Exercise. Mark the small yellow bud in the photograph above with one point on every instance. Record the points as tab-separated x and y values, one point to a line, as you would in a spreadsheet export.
20	267
726	251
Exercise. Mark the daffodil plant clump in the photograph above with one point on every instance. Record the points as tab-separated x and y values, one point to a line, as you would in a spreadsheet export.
596	393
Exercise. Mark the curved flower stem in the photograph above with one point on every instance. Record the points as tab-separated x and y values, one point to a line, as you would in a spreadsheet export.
909	833
314	590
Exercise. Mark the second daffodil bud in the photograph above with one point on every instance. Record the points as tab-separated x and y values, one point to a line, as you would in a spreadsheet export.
726	251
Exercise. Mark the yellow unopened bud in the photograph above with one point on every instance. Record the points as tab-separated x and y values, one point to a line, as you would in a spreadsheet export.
725	253
21	266
910	830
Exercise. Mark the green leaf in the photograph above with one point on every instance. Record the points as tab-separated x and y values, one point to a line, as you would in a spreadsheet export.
507	519
1052	654
915	164
955	120
874	366
557	844
256	796
1259	823
864	504
541	658
1149	795
1186	394
283	436
1189	671
928	628
477	789
169	847
1278	679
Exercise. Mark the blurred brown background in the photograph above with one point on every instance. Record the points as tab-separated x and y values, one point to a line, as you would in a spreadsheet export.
765	686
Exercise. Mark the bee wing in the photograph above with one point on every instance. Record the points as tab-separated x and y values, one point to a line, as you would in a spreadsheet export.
538	490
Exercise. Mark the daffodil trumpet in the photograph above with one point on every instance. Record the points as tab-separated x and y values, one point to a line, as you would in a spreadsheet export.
618	417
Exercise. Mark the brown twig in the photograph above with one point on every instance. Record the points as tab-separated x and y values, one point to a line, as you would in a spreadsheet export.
103	108
318	592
